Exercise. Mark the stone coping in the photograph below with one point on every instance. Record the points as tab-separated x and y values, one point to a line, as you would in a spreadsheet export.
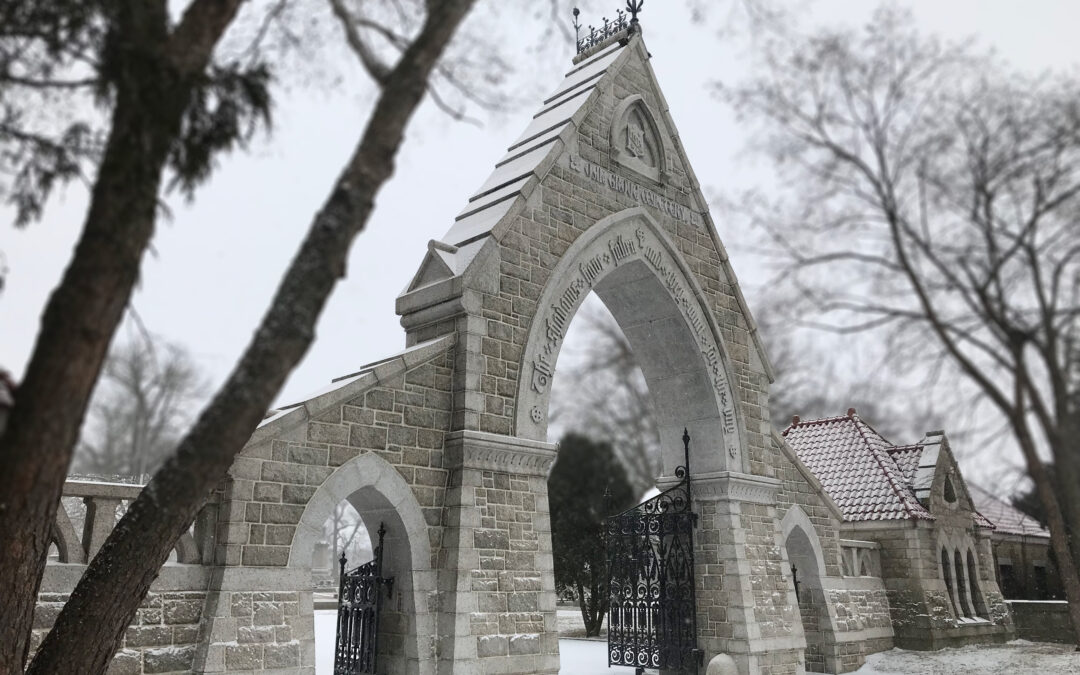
63	577
859	543
853	583
87	488
864	634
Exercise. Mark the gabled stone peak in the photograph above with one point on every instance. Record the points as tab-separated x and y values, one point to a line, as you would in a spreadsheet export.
644	146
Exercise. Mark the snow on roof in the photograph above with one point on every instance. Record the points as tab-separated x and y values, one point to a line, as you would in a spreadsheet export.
405	358
907	459
856	468
526	156
1005	517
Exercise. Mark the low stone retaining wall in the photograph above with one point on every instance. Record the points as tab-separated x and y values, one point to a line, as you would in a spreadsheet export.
1042	620
164	635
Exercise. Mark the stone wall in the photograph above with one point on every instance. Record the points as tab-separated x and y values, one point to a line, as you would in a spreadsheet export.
859	609
1023	554
1042	621
165	633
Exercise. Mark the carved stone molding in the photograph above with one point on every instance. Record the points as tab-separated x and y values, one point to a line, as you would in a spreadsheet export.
493	452
630	237
729	486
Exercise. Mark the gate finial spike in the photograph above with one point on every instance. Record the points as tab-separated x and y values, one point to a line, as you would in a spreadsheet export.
686	449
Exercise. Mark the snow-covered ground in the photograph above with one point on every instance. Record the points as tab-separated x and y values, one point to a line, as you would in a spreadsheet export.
579	657
589	657
1018	657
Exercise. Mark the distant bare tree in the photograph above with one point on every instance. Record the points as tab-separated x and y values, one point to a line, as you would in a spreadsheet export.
815	379
147	395
345	531
935	199
602	393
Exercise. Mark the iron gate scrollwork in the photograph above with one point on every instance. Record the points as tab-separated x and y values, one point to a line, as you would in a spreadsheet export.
359	600
652	620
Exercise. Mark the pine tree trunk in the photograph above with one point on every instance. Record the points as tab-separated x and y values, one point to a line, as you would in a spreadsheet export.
83	312
92	623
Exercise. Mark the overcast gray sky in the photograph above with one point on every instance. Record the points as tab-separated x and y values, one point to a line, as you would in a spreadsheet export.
217	261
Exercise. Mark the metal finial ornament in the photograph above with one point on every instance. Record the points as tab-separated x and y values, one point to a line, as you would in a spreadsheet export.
610	28
634	6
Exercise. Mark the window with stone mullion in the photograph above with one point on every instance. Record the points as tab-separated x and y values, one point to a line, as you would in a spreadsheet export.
973	582
961	585
946	572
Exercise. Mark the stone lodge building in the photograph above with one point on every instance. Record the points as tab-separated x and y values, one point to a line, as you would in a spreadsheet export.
805	559
935	552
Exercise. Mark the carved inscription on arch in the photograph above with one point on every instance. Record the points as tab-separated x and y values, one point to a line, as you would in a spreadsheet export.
638	193
603	257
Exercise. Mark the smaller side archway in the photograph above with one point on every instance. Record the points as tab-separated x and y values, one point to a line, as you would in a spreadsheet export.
381	496
807	562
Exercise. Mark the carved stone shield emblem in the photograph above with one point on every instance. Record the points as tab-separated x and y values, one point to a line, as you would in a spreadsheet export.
635	140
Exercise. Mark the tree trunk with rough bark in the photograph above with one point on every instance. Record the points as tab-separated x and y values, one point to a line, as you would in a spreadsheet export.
153	77
1055	520
92	623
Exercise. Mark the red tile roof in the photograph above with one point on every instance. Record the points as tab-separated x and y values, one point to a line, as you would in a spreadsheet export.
1005	517
907	459
856	467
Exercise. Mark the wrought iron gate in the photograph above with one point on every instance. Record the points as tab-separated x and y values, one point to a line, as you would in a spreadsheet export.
359	600
652	620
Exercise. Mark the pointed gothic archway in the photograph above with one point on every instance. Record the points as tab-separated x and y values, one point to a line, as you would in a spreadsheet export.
629	262
379	494
805	555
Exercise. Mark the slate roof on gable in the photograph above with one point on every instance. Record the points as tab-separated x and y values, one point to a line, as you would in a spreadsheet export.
853	463
526	157
1005	517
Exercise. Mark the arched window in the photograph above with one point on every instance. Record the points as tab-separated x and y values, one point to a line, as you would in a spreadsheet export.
961	585
973	580
847	561
950	491
946	571
867	568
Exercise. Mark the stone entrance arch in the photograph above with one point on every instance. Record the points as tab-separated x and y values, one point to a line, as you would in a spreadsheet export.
629	262
807	561
381	496
449	436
